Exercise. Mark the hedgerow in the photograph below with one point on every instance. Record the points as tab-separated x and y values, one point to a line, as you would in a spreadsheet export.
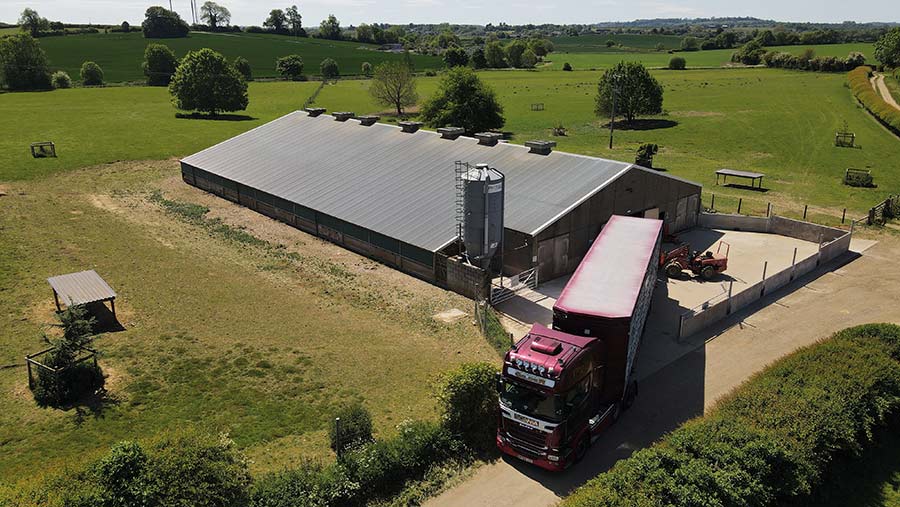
872	101
773	439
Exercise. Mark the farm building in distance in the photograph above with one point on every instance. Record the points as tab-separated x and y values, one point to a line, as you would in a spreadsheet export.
389	192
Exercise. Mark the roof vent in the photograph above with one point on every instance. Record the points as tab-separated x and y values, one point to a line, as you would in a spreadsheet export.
315	111
451	132
541	147
546	346
410	126
343	116
368	121
488	138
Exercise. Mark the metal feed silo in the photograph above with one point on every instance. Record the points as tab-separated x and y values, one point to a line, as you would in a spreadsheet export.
484	189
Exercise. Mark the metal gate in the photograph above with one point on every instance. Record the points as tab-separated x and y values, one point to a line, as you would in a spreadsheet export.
508	286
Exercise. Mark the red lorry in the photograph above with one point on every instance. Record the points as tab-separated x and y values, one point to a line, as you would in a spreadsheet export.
561	387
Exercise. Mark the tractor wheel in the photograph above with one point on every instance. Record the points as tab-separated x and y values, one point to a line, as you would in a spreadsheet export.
708	272
673	270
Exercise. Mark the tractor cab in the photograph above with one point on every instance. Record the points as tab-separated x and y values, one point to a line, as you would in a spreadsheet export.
706	265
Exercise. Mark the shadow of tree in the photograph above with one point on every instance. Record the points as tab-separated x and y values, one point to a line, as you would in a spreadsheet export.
644	124
215	117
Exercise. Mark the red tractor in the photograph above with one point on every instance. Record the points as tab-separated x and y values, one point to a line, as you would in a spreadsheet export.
706	265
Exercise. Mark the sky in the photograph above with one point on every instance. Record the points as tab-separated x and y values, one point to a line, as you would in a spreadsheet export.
250	12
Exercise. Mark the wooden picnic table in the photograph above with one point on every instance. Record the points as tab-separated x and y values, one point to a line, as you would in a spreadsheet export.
753	177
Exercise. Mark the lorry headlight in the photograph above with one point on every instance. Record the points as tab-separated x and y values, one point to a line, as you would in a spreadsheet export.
552	457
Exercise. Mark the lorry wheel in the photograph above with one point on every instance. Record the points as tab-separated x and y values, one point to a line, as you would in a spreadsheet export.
708	272
582	447
673	270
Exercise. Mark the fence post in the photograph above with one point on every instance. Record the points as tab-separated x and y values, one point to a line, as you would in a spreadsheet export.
712	205
805	207
740	201
843	216
730	286
765	267
769	210
794	263
30	380
337	437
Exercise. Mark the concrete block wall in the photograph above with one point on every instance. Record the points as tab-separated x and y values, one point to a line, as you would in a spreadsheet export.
463	278
804	230
734	222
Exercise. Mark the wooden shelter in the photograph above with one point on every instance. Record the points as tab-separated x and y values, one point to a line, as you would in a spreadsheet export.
80	289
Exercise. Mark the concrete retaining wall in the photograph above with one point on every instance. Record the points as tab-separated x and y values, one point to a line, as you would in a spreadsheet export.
703	319
803	230
746	297
836	248
734	222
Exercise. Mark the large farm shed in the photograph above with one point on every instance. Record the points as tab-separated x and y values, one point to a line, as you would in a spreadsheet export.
389	192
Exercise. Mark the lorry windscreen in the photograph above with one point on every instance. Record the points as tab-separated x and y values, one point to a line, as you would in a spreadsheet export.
532	402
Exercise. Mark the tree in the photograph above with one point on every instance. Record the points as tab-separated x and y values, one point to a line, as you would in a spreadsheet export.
447	39
394	85
636	92
514	52
366	69
31	22
478	60
494	55
541	47
467	397
61	80
462	100
567	67
126	26
242	65
529	59
610	43
23	64
73	379
660	47
364	33
290	67
408	61
749	54
677	63
294	21
887	48
456	57
159	64
329	69
160	23
205	82
330	28
276	20
690	44
91	74
214	14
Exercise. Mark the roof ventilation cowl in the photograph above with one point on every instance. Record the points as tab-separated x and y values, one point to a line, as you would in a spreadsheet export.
368	121
410	126
488	138
541	147
315	111
451	132
343	116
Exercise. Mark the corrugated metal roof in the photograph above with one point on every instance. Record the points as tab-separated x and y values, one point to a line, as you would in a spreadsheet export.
81	288
609	279
395	183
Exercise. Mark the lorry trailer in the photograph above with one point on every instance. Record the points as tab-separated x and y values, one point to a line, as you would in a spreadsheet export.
561	387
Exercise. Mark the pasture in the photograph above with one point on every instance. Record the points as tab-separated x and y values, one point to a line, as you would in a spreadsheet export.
593	57
120	54
596	43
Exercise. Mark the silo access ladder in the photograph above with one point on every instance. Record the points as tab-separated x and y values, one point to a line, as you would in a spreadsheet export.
504	288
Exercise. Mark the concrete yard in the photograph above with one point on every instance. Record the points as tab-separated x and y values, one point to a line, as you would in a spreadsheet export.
673	297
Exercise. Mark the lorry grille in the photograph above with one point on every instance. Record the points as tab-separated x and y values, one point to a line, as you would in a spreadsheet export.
533	441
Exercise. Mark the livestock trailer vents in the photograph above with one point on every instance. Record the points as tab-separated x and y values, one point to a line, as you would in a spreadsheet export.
397	195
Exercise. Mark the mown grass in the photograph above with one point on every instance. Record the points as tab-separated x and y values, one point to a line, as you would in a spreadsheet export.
597	43
120	54
221	332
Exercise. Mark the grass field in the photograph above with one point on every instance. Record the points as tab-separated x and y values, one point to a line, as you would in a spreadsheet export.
777	122
120	55
603	57
597	43
251	328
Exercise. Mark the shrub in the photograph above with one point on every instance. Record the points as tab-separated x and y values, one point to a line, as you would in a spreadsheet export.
750	53
242	65
290	67
61	79
463	100
309	485
160	23
204	81
23	64
91	74
366	69
873	102
566	67
771	441
468	400
455	57
329	69
159	64
121	476
610	43
677	63
355	428
690	44
644	155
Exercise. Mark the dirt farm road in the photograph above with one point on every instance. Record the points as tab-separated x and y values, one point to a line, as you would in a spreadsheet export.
840	295
882	89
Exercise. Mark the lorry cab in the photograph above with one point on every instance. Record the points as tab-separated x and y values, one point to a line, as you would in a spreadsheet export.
550	392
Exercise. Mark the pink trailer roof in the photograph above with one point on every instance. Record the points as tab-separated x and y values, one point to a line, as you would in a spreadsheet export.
608	280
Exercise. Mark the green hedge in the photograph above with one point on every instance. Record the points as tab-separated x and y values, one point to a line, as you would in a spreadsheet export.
872	101
772	440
